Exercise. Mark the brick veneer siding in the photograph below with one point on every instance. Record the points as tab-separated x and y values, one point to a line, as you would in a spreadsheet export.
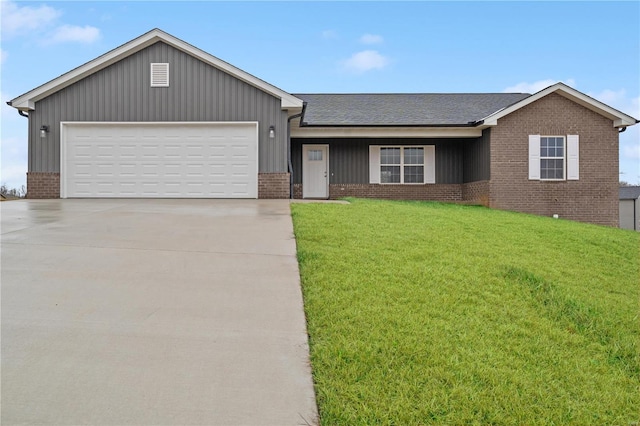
43	185
593	198
273	185
47	185
472	193
297	190
476	192
437	192
431	192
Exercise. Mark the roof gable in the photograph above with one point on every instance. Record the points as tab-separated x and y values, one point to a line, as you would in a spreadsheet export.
27	101
619	119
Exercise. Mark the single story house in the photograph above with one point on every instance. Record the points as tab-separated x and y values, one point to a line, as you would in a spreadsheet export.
158	117
630	207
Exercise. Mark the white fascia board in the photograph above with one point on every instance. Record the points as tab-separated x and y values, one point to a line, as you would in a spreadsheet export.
27	100
386	132
619	119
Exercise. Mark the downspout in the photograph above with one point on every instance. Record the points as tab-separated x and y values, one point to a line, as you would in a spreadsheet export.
289	163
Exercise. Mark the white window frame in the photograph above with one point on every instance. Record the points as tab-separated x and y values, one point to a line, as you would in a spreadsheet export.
159	66
571	157
428	164
563	158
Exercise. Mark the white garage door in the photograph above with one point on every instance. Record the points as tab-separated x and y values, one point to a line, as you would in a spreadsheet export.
159	160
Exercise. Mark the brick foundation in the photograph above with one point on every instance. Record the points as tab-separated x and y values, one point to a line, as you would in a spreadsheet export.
437	192
297	190
476	192
273	185
43	185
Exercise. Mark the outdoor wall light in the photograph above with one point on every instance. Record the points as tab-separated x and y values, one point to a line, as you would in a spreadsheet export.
272	132
43	131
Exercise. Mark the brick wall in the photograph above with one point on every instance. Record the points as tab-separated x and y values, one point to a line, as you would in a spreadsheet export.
476	192
273	185
593	198
43	185
297	190
438	192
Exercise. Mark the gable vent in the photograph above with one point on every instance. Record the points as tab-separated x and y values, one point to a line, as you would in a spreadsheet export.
159	75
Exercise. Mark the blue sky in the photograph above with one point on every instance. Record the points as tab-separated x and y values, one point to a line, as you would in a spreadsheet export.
325	47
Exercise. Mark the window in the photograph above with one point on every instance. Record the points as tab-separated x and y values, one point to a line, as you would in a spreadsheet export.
315	154
159	75
552	157
401	165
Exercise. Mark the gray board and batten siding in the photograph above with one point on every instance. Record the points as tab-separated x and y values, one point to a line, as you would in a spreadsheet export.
458	160
122	92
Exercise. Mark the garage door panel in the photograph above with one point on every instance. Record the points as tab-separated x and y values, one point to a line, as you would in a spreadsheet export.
209	160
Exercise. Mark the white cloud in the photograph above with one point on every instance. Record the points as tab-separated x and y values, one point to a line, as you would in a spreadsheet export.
73	33
371	39
365	61
537	86
329	35
3	56
38	21
18	20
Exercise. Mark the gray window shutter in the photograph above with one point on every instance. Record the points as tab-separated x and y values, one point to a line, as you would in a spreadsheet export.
374	164
534	157
430	164
573	157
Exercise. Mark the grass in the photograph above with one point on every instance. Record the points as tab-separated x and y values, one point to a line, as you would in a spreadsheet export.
428	313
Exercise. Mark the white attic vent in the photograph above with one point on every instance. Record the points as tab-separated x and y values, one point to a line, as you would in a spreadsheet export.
159	75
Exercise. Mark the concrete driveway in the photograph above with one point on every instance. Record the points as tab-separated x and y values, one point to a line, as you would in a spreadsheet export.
155	312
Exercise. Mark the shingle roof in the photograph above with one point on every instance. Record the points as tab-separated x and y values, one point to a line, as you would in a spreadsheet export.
629	192
419	109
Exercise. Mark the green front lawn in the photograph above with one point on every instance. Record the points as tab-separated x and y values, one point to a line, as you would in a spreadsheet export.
429	313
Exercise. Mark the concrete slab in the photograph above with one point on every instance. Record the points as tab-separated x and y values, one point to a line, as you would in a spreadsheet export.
152	312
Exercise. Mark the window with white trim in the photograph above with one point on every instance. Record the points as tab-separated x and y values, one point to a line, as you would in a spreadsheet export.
554	157
410	164
402	164
159	75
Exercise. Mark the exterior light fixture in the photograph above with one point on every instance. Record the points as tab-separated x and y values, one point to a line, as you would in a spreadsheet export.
272	132
43	131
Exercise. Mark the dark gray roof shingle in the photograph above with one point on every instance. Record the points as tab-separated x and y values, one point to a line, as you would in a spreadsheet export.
409	109
629	192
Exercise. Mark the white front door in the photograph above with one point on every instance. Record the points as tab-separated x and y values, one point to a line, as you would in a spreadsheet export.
315	171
